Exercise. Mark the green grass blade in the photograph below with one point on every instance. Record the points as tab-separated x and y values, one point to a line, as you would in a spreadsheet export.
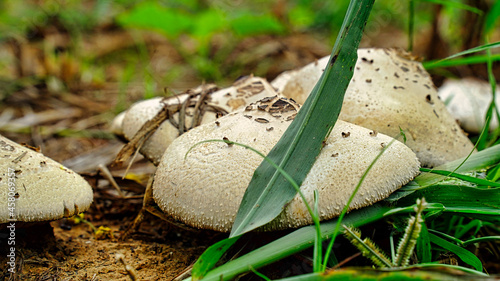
469	51
411	23
482	160
466	256
478	203
470	179
460	61
423	249
492	17
296	151
292	243
210	257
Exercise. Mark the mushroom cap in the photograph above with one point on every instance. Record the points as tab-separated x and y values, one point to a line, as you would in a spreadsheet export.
205	189
244	91
468	100
44	189
116	126
143	111
389	91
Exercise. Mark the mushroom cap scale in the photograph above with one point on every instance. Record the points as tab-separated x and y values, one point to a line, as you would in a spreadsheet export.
205	189
390	91
44	189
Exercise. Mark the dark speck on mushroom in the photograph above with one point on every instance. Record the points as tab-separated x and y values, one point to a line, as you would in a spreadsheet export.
429	100
405	69
366	60
368	80
261	120
345	135
396	74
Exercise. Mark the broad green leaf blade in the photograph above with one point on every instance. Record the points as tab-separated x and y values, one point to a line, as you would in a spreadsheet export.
480	203
292	243
424	246
299	146
210	257
466	256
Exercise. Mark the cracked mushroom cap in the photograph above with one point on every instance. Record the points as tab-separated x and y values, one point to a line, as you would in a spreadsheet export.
389	90
468	100
244	91
43	189
205	189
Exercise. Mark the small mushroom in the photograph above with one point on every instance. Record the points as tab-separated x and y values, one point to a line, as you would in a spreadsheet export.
467	100
116	126
219	174
400	95
244	91
41	189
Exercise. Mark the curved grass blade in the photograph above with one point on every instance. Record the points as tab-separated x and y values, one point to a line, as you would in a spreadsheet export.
211	256
292	243
296	151
460	61
466	256
466	52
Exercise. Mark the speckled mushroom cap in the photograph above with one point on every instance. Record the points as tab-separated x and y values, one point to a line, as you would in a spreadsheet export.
389	91
468	100
44	189
245	90
205	189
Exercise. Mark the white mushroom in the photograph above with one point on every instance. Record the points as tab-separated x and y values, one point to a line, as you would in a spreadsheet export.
467	100
244	91
205	189
116	126
389	91
41	189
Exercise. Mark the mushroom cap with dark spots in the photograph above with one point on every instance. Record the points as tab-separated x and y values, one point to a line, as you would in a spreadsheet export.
388	91
43	189
204	188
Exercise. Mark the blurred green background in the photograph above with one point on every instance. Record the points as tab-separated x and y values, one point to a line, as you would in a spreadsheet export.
144	48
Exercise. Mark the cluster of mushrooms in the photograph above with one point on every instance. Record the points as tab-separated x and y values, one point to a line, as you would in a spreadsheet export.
389	92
